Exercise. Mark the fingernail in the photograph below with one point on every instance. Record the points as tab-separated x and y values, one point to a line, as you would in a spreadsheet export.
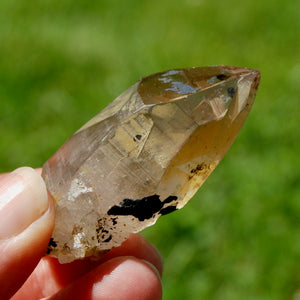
23	200
153	268
129	278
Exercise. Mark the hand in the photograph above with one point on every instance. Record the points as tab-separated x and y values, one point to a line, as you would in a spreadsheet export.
131	271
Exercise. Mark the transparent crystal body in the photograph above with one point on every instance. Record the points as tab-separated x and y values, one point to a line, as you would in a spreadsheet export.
144	155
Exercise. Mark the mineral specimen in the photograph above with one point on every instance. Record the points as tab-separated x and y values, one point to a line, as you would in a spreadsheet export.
144	155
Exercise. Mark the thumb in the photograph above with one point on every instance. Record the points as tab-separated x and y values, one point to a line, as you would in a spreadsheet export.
26	224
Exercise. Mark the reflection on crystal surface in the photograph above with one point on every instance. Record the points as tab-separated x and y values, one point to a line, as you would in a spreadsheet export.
144	155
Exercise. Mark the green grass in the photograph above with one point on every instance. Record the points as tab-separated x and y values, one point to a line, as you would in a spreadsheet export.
63	61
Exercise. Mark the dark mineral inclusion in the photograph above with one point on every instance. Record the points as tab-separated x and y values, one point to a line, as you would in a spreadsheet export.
144	208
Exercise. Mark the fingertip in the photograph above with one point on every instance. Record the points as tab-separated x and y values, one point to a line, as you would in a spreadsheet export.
131	278
26	224
136	245
118	278
33	181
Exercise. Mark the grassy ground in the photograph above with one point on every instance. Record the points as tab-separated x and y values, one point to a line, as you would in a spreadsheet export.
63	61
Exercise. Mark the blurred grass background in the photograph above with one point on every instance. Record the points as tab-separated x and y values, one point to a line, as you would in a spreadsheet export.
63	61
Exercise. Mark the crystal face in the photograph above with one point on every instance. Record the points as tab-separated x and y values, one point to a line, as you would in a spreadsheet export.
144	155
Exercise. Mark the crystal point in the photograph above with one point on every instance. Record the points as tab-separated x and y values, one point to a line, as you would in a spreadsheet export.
144	155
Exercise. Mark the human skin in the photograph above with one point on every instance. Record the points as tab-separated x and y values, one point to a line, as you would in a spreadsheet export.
131	271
